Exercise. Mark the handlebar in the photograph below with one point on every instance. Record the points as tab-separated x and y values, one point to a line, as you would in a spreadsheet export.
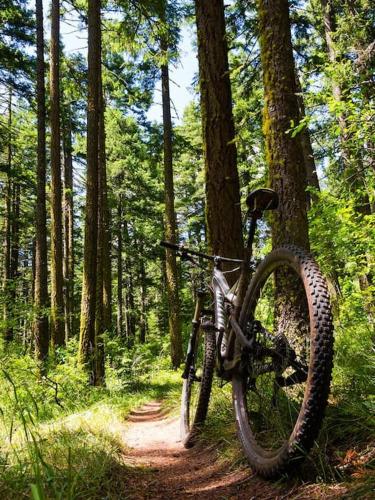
188	251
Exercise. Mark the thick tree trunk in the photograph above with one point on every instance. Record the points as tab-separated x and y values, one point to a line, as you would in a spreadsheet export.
68	267
284	154
41	336
57	300
88	301
120	301
223	211
170	224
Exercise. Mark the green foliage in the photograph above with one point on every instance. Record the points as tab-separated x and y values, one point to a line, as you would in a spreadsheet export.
63	439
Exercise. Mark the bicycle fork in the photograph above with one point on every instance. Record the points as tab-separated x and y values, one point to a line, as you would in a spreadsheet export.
194	337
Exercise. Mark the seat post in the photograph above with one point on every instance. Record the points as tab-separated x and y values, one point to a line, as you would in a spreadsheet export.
254	216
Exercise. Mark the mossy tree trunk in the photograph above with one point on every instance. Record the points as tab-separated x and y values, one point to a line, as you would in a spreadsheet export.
88	300
287	174
223	211
170	229
41	336
57	300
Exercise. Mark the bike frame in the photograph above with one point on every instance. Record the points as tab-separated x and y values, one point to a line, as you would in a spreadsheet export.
227	307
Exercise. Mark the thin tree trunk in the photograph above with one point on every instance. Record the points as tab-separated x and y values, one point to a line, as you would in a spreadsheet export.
170	223
14	254
106	221
130	312
284	154
40	283
120	304
88	302
68	267
142	276
7	284
308	153
102	249
57	300
223	211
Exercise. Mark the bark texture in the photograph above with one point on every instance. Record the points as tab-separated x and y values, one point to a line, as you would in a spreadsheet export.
57	300
284	153
41	336
285	157
88	301
68	267
169	225
102	250
223	211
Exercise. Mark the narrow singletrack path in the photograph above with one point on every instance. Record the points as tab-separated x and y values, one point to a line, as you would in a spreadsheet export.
157	466
162	468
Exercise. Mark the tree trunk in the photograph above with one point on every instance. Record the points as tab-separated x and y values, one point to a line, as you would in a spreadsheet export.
308	153
284	154
57	300
102	249
7	284
106	223
142	276
68	267
40	283
120	302
88	301
170	222
223	210
130	310
14	254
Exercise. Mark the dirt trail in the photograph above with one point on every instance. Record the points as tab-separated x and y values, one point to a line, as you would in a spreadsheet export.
164	469
157	466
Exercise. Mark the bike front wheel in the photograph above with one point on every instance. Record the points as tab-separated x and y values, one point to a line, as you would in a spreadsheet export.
197	386
281	386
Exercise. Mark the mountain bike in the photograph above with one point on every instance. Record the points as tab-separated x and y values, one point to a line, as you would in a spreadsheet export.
279	362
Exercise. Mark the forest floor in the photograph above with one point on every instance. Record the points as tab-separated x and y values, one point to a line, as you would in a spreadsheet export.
158	466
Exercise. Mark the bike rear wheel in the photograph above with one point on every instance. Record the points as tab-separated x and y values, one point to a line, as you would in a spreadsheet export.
196	388
281	387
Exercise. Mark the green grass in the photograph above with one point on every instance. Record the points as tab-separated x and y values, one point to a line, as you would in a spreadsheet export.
62	439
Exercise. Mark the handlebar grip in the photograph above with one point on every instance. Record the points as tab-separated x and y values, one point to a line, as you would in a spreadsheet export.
168	244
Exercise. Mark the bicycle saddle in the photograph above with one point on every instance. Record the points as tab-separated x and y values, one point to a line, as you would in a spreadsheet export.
262	199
